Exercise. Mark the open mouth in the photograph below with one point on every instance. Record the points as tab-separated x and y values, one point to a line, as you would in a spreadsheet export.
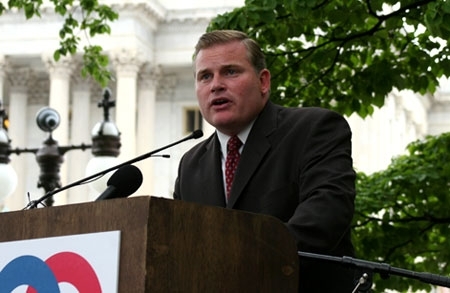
219	102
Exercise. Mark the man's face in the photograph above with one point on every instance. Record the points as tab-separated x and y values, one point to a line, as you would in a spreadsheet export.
229	91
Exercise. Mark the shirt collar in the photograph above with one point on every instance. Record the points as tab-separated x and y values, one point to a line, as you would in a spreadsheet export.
243	135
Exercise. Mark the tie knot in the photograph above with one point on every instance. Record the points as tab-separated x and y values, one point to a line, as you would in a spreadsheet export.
234	143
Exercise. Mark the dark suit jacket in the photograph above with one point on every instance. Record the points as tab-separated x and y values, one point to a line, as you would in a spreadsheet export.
296	165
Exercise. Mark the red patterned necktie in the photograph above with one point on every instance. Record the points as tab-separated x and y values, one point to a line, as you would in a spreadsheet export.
233	156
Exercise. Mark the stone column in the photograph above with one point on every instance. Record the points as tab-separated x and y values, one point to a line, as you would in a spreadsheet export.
2	77
80	130
59	99
148	82
19	79
127	65
168	131
59	95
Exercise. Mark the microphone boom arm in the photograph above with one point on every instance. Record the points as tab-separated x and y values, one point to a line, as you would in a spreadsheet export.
34	203
382	268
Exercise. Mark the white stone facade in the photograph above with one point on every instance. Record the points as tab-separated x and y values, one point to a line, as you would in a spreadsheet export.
405	117
150	50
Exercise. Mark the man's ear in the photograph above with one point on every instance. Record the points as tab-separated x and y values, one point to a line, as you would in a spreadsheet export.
264	78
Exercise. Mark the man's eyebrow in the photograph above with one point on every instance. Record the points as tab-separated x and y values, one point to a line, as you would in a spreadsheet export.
226	66
201	71
231	65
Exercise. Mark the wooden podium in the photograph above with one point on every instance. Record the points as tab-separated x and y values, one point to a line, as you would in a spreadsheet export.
175	246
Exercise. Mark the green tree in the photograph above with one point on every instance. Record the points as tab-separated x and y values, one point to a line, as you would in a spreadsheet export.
86	16
347	55
402	213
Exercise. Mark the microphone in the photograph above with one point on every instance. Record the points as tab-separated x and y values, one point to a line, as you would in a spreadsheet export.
122	183
382	268
34	203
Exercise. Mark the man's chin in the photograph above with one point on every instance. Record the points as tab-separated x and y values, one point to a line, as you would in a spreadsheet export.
228	128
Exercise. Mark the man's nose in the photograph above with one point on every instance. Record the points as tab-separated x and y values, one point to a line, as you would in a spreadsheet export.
217	84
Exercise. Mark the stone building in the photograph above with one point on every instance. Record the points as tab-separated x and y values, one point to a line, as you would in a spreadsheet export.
150	50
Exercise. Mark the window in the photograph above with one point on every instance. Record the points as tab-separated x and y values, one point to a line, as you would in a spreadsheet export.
193	120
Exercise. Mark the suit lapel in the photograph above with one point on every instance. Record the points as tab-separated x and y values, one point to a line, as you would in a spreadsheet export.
212	173
256	147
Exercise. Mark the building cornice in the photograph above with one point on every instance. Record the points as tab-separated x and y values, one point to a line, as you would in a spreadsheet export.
150	7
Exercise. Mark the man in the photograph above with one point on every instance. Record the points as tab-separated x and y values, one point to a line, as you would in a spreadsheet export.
294	163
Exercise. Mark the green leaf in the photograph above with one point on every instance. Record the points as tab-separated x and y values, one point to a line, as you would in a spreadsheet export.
56	55
94	18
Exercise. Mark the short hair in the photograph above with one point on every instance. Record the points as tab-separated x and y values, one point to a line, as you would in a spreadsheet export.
255	54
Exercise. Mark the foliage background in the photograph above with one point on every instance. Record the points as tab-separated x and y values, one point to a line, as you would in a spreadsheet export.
81	18
347	55
402	213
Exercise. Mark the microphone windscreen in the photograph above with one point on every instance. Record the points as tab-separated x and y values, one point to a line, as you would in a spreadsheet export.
127	179
197	134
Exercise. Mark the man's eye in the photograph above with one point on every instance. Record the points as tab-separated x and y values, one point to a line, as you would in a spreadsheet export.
205	76
231	71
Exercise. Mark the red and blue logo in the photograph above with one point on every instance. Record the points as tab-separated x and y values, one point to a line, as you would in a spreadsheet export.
44	276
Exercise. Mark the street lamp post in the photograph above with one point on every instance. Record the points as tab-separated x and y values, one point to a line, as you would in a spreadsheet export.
50	155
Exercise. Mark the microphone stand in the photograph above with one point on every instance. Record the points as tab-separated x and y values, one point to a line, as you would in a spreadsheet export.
34	203
385	270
